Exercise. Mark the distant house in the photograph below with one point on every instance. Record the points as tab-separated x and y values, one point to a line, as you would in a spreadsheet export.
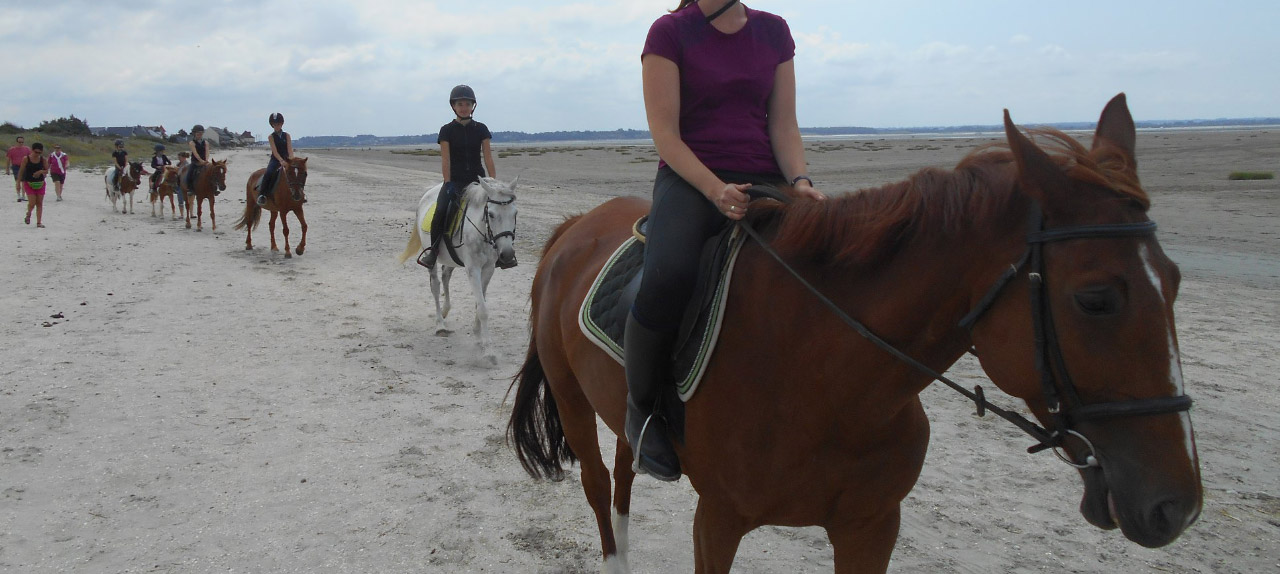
129	132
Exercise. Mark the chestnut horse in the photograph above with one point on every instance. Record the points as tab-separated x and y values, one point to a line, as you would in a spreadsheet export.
935	265
168	182
211	177
286	196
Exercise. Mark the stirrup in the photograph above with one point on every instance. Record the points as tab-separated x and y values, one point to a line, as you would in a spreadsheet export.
425	258
635	461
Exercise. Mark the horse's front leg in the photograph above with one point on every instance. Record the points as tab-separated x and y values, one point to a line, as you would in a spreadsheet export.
478	282
284	226
302	222
441	312
271	224
717	531
865	546
153	206
213	218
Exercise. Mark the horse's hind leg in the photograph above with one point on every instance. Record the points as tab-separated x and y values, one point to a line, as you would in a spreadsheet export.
271	224
579	423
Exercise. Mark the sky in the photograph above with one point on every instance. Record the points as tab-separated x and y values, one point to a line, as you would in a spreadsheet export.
385	67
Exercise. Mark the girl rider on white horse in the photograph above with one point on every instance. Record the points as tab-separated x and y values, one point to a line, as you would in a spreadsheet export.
464	142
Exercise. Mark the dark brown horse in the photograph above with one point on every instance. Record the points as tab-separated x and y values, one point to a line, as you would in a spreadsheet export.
286	196
167	182
211	177
801	421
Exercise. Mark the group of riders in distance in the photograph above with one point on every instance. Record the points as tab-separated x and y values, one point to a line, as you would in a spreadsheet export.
198	178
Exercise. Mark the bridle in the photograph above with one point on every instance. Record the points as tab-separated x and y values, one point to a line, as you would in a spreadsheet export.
295	188
1061	398
489	236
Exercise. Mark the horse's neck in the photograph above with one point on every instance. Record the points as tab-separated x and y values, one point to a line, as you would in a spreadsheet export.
917	296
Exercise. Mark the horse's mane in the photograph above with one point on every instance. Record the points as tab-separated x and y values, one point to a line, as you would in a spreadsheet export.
476	192
869	225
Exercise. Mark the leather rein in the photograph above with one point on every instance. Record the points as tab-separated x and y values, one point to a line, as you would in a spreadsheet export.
1060	395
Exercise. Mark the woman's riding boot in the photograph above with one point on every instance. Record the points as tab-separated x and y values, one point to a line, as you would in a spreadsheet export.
648	367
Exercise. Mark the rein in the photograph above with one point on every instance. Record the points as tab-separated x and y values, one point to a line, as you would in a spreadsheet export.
1046	338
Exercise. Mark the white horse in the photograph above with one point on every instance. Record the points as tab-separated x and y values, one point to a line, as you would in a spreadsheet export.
128	183
485	239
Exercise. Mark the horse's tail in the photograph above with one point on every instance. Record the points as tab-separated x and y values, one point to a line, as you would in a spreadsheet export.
413	248
252	215
535	428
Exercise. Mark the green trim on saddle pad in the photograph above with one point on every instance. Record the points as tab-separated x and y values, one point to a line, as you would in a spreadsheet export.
602	315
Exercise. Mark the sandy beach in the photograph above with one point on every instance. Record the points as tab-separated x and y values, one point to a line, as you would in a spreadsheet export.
170	402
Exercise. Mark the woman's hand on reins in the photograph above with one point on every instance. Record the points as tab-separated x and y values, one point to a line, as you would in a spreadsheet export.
731	200
806	189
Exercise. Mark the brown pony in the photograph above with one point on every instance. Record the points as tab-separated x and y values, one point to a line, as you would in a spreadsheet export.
936	265
211	177
286	196
167	182
129	181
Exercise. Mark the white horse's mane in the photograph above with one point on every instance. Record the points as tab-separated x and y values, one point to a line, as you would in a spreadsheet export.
476	192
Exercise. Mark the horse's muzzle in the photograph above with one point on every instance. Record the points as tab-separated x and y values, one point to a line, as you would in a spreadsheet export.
504	263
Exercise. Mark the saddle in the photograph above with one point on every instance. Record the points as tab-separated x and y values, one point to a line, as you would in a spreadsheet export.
603	315
453	227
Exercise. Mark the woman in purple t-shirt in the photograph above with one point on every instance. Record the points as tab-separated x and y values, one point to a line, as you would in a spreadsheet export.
719	94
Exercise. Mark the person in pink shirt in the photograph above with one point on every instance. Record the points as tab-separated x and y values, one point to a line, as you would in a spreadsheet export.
58	164
13	159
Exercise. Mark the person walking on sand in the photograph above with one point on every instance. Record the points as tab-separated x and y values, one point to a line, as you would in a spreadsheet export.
34	168
58	164
281	152
200	157
464	143
719	94
13	159
184	162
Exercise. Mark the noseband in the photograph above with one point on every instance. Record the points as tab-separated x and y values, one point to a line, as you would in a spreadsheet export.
1060	395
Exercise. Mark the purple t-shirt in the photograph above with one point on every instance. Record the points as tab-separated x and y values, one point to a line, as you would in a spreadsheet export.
725	83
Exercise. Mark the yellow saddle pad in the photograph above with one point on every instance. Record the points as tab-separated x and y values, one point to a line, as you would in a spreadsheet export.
452	224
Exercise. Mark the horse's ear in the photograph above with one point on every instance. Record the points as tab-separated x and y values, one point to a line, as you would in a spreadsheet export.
1116	126
1038	175
513	184
484	185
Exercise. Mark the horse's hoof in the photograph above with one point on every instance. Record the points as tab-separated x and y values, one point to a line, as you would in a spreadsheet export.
248	248
300	250
288	255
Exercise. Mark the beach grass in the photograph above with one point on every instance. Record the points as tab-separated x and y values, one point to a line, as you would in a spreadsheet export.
1249	175
92	153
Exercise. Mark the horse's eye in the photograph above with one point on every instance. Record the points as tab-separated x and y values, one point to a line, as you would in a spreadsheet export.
1100	301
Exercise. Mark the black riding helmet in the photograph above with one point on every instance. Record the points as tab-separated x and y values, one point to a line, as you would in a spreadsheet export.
197	128
462	92
159	147
119	142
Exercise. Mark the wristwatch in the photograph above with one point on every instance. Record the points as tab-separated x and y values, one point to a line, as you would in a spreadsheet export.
797	179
